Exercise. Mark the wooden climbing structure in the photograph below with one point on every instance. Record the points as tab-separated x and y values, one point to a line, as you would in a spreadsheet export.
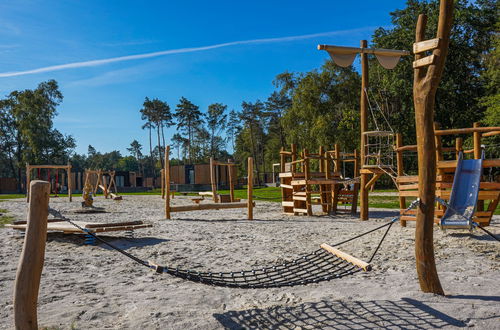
104	181
56	183
446	162
316	179
249	204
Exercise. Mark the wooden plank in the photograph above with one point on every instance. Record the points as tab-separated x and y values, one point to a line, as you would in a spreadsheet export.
451	164
428	60
407	178
208	206
483	194
300	210
408	186
205	193
347	257
286	186
468	130
287	204
93	227
408	193
482	185
423	46
406	148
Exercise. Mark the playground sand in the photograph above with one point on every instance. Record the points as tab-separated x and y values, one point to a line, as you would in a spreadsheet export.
93	287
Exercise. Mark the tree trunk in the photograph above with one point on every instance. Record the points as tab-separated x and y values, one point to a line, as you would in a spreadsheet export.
151	151
159	144
425	84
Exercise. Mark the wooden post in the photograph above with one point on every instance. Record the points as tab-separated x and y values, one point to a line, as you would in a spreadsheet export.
167	182
459	142
439	148
426	81
322	187
336	187
231	183
28	180
162	177
400	169
307	177
477	155
250	188
364	127
294	157
212	180
69	183
354	205
30	266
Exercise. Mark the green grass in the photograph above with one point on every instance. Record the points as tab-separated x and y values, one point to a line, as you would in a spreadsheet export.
269	194
10	196
4	218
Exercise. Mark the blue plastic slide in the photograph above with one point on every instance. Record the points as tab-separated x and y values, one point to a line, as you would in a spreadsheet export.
464	194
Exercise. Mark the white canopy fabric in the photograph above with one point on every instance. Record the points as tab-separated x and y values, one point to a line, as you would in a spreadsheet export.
388	62
343	60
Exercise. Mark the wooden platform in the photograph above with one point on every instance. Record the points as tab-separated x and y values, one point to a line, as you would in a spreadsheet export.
94	227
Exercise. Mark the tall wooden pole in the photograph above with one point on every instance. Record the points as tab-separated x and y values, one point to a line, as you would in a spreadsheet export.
400	171
70	185
250	188
364	127
166	176
28	180
426	82
32	257
212	180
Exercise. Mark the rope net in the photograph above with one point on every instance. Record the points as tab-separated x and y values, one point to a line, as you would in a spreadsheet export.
315	267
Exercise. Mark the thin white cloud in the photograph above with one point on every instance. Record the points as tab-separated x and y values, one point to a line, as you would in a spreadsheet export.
174	51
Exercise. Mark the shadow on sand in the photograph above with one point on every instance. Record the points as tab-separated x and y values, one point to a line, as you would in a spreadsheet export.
403	314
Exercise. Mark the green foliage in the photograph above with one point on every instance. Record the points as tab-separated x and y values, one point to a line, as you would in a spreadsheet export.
27	134
188	118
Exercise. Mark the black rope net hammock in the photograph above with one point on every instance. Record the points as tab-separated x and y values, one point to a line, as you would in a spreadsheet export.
324	264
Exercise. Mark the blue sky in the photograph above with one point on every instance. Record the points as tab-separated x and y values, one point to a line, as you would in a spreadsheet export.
102	100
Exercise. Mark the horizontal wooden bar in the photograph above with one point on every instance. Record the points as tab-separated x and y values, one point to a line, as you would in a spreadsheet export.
356	50
286	186
444	164
287	203
466	130
347	257
406	148
422	46
208	206
49	166
428	60
491	133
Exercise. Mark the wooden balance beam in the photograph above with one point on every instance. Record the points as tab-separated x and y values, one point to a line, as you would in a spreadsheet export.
208	206
93	227
347	257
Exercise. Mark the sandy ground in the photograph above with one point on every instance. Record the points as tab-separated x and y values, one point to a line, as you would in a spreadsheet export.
93	287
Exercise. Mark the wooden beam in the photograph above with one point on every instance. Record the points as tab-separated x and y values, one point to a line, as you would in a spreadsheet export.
208	206
468	130
167	182
29	270
347	257
213	184
250	203
426	61
423	46
372	181
363	50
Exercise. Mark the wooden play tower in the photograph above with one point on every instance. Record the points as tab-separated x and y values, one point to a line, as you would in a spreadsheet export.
372	142
308	179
